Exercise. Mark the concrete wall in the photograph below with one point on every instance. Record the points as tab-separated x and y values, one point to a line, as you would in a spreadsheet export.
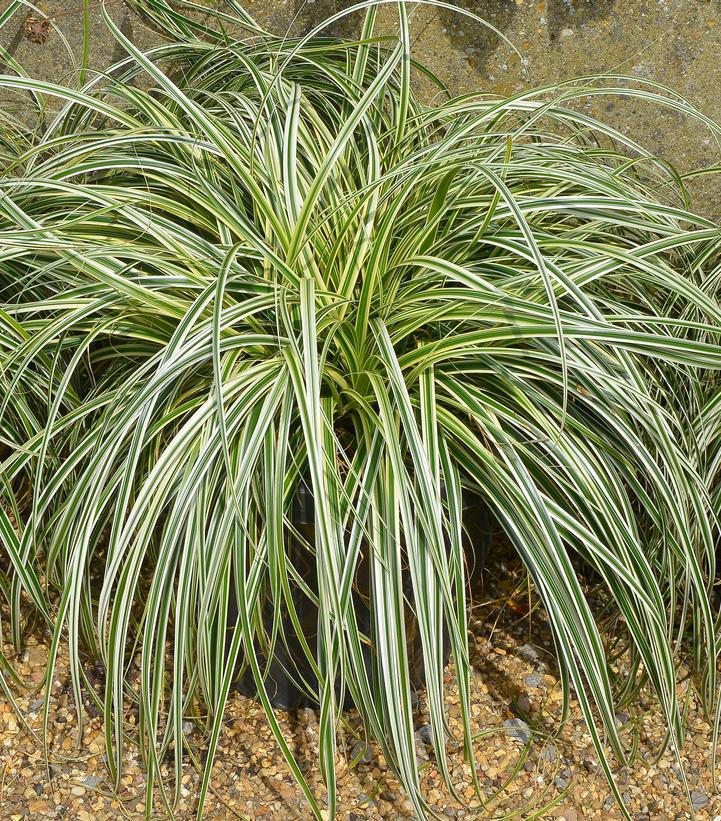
673	42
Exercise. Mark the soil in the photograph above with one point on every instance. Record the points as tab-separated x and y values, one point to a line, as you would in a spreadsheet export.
527	767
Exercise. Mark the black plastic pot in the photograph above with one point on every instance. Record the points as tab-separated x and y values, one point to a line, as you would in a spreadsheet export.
289	664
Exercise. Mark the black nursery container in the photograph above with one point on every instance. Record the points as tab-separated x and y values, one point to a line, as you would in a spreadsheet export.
289	665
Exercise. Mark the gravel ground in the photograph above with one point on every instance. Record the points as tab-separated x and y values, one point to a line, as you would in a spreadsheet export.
527	768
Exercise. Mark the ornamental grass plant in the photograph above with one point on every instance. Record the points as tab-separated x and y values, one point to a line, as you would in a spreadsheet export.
239	264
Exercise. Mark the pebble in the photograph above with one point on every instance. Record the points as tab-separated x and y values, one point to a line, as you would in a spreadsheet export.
361	752
549	753
518	729
698	798
424	734
528	652
524	704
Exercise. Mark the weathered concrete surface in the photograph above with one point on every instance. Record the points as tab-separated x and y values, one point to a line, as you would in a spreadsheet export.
673	42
